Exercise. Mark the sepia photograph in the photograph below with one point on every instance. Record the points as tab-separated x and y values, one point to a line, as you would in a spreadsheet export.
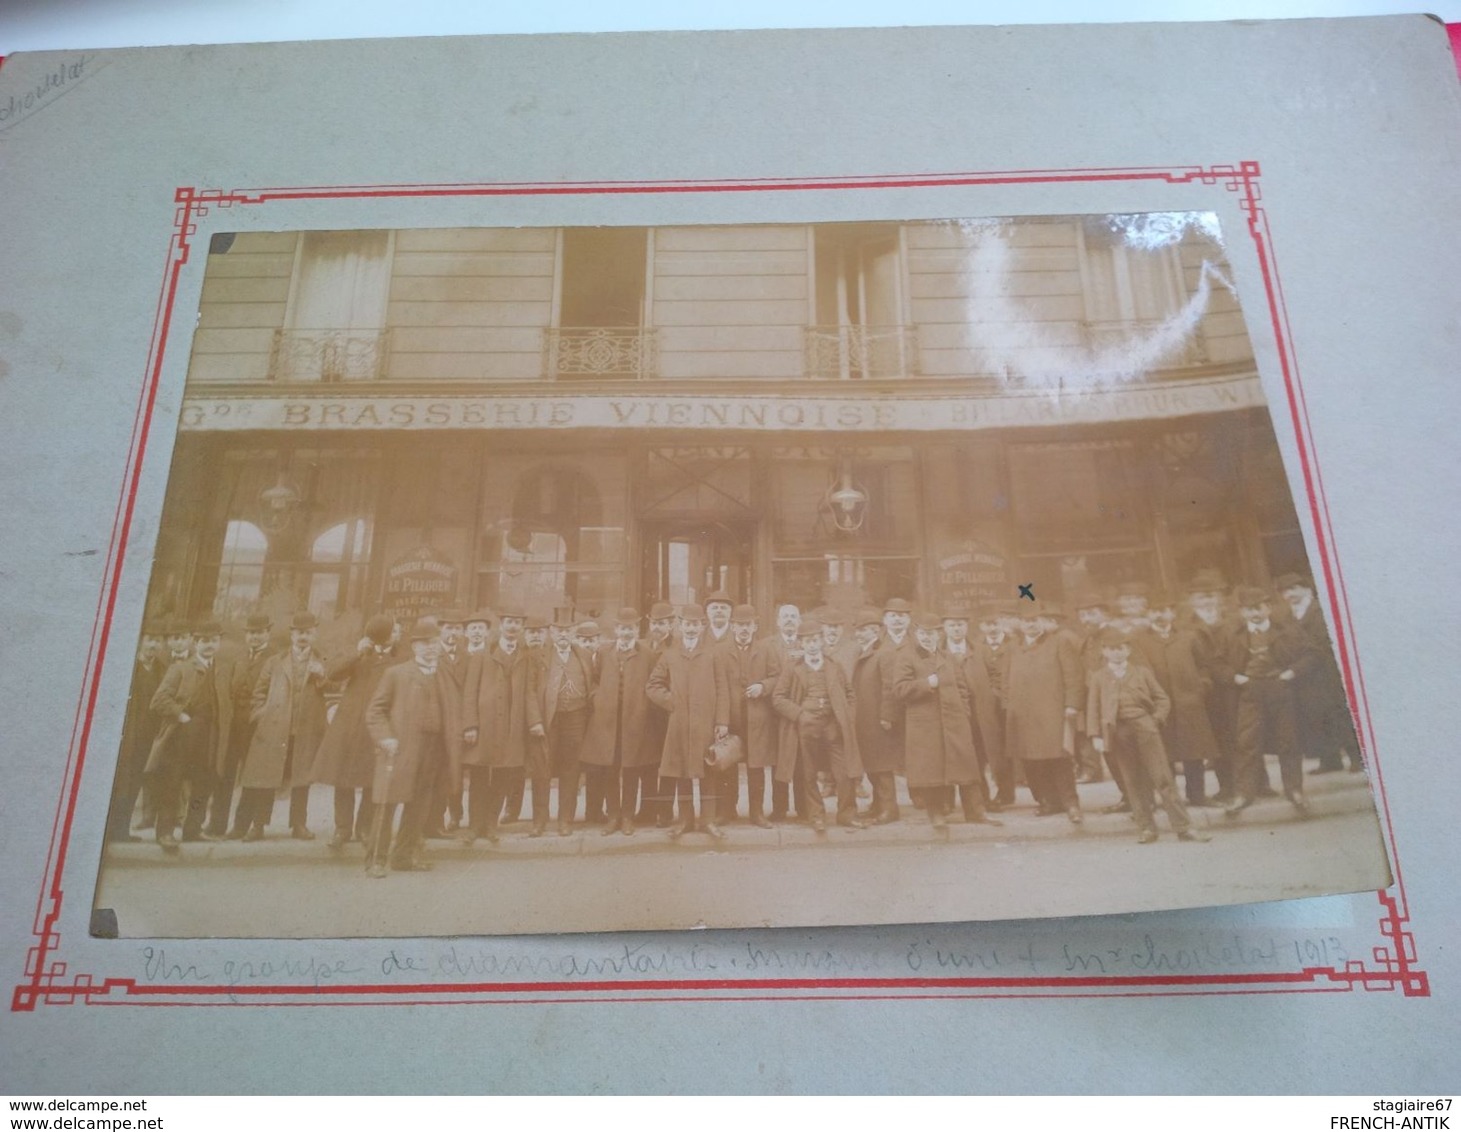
587	579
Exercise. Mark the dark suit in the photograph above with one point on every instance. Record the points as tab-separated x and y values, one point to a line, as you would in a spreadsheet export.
189	753
1266	711
139	729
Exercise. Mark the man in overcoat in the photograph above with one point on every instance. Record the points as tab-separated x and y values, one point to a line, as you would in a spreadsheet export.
664	633
1179	660
194	704
897	639
813	694
992	650
1326	728
139	729
1207	615
733	663
346	756
456	655
1045	693
874	745
683	685
498	712
564	691
938	727
957	644
765	732
1264	661
289	722
615	748
406	719
258	647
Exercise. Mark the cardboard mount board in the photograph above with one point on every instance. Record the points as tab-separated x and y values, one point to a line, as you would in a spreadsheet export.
525	133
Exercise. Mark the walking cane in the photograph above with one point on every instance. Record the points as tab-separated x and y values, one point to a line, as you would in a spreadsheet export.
380	788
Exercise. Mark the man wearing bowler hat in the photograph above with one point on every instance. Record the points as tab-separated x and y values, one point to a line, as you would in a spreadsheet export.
765	730
732	676
1326	729
615	753
499	710
258	647
940	751
813	695
1046	691
407	720
289	721
718	609
565	694
897	640
139	729
1264	661
683	685
195	703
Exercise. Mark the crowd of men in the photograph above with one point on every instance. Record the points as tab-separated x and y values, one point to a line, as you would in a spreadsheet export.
450	725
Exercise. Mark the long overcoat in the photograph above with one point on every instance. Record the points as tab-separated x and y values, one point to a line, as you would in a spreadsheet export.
1324	718
347	753
683	684
621	711
288	699
880	755
1182	667
765	730
401	709
1045	678
891	708
180	687
938	732
498	703
791	691
732	674
454	700
987	673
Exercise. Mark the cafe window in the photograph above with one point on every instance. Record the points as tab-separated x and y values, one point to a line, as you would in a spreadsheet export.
860	331
292	532
552	533
1081	515
845	525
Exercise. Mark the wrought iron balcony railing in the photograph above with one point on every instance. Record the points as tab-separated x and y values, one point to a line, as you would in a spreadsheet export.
580	352
329	355
1114	334
861	352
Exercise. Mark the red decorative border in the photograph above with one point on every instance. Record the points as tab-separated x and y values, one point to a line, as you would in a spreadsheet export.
48	978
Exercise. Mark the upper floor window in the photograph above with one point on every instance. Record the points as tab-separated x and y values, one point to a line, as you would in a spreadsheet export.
860	329
600	325
334	325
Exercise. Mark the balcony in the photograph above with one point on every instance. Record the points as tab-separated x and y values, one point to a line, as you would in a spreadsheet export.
861	352
328	355
1119	334
576	353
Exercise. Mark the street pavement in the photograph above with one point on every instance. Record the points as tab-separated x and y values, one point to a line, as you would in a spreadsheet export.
788	875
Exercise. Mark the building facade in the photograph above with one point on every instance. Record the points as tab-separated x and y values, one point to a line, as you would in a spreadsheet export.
820	414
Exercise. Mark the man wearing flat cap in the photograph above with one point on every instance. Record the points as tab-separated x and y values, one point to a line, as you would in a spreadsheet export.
616	752
289	721
195	705
683	685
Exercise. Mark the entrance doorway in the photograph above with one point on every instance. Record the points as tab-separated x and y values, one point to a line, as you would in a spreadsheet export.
685	562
